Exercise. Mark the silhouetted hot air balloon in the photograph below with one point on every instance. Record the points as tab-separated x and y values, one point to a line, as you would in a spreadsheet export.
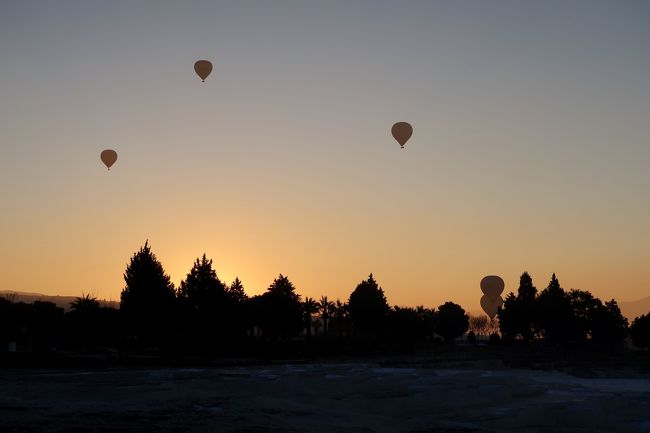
492	286
402	131
108	157
490	306
203	69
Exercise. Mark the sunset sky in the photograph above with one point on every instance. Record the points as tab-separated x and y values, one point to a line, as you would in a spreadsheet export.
530	151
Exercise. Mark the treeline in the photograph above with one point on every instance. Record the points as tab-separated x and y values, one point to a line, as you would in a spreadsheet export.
205	316
564	317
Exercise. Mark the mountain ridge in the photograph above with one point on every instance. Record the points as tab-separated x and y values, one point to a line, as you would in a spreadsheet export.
62	301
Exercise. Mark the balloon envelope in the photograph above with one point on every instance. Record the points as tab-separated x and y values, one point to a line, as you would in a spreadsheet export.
108	157
402	131
491	306
203	69
492	286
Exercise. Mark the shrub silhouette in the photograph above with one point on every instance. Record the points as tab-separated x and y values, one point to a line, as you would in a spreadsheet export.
451	321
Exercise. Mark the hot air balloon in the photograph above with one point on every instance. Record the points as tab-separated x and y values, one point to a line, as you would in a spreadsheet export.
490	306
402	131
203	69
492	286
108	157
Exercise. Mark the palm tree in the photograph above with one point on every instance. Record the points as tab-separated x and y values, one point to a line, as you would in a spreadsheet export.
84	303
340	316
309	307
84	321
326	308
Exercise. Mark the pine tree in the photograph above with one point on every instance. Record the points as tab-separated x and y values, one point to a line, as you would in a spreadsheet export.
282	314
555	313
368	307
526	307
148	298
236	292
526	289
203	297
202	290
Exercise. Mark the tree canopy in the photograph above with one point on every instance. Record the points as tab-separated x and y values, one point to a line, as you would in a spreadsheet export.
148	297
367	306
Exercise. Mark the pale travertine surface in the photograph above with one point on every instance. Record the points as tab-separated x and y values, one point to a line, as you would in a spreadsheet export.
355	397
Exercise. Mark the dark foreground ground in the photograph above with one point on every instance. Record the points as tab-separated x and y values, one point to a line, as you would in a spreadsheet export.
322	397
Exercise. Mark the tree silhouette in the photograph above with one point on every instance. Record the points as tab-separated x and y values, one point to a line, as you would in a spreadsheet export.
584	306
408	325
640	331
368	307
236	291
340	321
527	306
236	307
608	325
309	307
510	317
556	317
148	298
427	317
203	298
281	309
451	321
85	304
326	309
526	288
89	325
479	325
518	315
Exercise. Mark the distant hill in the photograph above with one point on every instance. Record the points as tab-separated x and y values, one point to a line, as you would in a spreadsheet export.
634	309
61	301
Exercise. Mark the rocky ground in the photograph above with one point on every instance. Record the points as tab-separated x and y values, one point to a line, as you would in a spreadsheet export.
332	397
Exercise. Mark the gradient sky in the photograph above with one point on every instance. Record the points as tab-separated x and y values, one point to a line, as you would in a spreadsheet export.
531	144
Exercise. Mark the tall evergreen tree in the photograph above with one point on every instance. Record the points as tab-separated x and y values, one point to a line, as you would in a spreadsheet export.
203	297
148	298
526	307
368	307
236	291
518	315
237	308
556	317
281	309
201	289
526	289
510	317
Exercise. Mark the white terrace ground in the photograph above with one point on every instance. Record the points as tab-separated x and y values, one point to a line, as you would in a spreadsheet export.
353	397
